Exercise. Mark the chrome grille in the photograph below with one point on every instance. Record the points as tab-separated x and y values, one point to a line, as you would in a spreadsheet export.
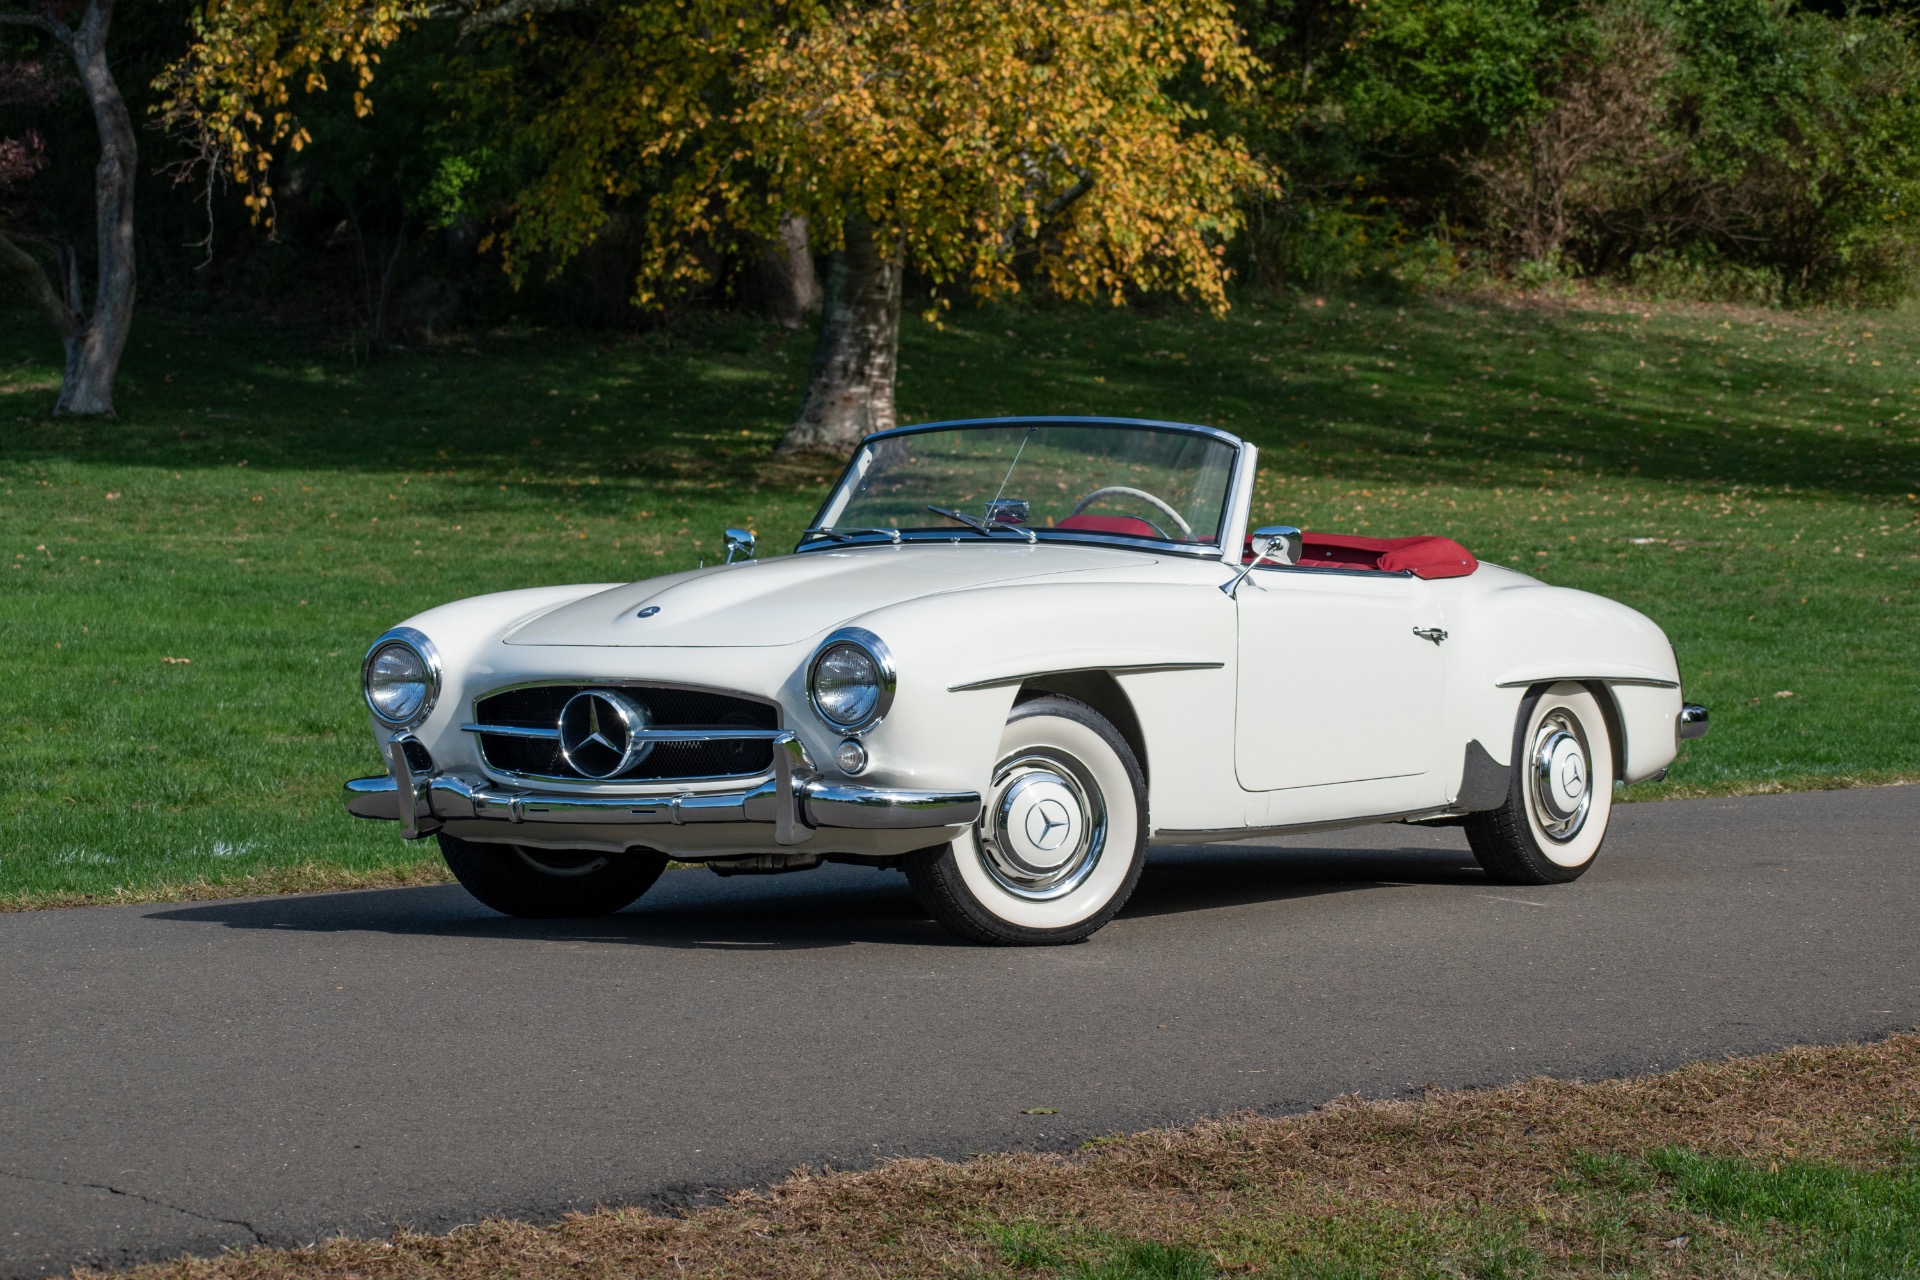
534	750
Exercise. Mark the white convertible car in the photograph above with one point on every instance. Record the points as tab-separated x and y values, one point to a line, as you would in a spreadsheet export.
1008	657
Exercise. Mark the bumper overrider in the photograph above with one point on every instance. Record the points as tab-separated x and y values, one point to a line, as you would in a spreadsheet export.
793	803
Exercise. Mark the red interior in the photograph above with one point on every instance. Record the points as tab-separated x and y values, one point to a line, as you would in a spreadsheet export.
1423	557
1132	526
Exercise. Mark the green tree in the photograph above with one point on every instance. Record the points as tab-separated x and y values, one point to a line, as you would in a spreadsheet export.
981	145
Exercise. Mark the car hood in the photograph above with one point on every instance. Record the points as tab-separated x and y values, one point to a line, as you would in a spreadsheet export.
765	603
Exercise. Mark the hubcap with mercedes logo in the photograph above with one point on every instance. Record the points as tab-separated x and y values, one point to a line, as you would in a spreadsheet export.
1043	827
1558	789
600	733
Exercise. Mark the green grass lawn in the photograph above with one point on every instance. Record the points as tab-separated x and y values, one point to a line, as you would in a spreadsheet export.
187	590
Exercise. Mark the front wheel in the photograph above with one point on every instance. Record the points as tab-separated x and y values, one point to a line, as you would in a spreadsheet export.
1549	830
550	884
1061	838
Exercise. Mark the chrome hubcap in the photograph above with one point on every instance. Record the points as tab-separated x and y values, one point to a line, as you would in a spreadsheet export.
1559	785
1043	827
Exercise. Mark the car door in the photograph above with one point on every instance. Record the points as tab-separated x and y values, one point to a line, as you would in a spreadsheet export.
1334	684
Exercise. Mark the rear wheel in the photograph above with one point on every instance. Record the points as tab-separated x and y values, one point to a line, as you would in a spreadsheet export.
1061	838
517	880
1550	829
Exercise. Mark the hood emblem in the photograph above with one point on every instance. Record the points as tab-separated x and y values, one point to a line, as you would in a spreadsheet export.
648	612
602	733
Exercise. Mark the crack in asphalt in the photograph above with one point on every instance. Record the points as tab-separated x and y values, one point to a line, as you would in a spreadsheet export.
141	1196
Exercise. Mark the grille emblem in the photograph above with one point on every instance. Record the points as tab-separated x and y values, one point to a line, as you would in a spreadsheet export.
600	733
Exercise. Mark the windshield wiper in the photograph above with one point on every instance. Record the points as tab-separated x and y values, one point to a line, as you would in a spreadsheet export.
847	535
980	526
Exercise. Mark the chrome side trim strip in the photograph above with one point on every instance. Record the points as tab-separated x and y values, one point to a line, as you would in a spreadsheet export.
1635	680
1142	668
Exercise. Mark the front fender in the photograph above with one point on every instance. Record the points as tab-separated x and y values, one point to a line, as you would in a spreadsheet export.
962	657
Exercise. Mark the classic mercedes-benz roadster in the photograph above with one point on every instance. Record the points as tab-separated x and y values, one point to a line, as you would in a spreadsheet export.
1008	656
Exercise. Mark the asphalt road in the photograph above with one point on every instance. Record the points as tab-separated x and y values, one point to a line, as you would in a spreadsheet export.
179	1079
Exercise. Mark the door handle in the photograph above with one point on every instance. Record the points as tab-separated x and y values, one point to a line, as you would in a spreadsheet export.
1434	634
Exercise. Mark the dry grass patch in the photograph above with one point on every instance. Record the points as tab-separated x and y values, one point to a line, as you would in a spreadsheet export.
1546	1177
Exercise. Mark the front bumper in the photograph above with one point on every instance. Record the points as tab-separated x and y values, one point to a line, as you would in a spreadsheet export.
793	803
1691	723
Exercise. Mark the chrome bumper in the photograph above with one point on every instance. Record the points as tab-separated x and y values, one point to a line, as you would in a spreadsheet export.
1692	722
793	802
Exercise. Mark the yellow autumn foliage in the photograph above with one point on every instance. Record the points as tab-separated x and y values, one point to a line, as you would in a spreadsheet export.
993	141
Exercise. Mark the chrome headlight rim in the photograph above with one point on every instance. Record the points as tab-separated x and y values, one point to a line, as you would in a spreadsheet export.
429	656
882	658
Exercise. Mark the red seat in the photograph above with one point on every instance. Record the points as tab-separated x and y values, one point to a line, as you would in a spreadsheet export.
1132	526
1423	557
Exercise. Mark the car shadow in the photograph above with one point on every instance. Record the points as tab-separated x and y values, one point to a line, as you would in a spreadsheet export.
1184	878
835	906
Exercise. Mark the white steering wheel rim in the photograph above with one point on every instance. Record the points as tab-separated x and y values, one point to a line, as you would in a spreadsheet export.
1180	523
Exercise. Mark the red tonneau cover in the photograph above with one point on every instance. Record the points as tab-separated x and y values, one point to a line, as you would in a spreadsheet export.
1423	557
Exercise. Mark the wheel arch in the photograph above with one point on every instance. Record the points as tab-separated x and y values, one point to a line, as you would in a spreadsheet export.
1609	710
1099	690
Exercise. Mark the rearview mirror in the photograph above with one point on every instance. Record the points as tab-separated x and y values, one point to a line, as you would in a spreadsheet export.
739	542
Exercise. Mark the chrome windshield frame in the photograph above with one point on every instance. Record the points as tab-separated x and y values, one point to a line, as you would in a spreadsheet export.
1233	518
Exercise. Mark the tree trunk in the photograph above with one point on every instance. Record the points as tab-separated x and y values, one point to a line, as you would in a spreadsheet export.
788	281
94	338
850	384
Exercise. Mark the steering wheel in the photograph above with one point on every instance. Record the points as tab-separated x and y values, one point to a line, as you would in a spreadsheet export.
1125	491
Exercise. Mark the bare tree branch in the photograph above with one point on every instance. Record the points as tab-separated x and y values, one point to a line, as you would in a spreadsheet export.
481	18
1061	202
32	278
40	22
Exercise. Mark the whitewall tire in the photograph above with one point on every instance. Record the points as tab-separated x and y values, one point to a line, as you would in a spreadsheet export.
1561	794
1061	839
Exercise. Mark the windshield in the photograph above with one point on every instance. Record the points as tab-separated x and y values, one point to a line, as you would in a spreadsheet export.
1031	479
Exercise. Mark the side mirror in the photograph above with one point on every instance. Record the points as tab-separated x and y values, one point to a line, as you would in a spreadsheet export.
739	542
1280	543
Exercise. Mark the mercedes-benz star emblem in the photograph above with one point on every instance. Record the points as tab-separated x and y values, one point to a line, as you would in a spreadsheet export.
1047	824
600	733
1571	780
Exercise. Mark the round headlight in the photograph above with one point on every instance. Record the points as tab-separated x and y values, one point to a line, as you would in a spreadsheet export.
851	680
402	678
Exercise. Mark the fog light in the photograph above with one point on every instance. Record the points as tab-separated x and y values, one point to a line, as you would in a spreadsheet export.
850	756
